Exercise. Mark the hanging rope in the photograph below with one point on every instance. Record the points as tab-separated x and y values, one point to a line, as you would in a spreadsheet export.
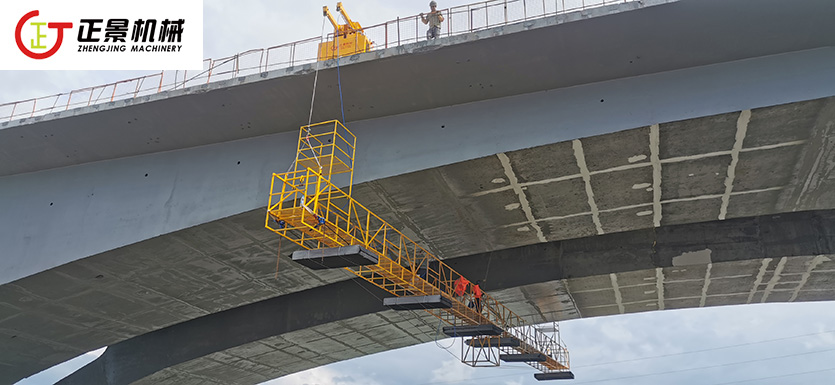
487	271
339	81
312	101
278	258
316	77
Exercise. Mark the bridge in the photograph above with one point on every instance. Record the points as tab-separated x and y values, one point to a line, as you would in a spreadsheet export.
654	155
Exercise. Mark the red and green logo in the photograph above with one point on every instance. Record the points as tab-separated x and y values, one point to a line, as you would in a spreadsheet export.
36	42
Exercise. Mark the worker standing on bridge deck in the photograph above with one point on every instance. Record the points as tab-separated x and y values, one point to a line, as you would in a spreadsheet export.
434	20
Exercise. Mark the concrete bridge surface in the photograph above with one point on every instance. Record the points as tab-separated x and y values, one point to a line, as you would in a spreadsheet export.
635	157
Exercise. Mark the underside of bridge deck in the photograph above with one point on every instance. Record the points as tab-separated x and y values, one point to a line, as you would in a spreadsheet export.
749	175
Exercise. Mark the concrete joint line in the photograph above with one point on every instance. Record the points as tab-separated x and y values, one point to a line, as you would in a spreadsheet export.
774	279
685	158
703	298
773	146
654	149
777	188
584	171
741	131
814	264
640	205
659	286
651	163
517	224
523	199
759	279
618	297
620	168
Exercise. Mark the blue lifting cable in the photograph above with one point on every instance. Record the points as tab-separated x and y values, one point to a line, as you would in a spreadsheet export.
339	81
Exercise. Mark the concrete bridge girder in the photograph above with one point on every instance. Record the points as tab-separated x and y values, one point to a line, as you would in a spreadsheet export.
693	73
480	205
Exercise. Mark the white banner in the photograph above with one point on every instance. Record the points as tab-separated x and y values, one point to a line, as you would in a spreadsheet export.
101	35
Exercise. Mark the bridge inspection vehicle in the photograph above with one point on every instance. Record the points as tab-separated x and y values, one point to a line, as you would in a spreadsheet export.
335	231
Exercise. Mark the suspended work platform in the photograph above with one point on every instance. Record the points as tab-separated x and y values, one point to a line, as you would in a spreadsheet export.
307	208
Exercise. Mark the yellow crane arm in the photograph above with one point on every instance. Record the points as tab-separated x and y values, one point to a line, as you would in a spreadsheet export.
354	25
327	13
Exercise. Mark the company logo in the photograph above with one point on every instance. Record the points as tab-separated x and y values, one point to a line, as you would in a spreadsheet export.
101	35
36	42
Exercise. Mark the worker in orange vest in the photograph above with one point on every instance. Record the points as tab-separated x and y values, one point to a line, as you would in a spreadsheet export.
460	287
477	293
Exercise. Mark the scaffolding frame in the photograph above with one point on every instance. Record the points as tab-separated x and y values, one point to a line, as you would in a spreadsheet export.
307	208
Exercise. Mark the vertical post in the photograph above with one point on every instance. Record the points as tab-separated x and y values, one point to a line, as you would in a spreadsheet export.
90	100
293	54
211	68
14	106
398	31
524	10
470	13
386	27
138	87
55	103
505	12
160	81
272	192
416	29
113	95
448	22
385	235
35	103
366	232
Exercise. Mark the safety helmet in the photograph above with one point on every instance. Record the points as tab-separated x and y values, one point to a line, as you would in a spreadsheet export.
433	4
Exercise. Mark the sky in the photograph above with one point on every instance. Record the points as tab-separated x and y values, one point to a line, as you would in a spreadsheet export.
654	343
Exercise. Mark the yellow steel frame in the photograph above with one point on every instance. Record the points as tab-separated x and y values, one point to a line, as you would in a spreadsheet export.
315	213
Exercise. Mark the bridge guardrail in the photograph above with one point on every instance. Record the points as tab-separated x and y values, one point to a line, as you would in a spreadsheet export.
458	20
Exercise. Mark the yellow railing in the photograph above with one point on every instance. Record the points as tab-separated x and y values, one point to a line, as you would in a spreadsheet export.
306	207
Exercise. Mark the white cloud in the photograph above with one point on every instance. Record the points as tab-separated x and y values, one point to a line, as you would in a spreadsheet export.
452	370
326	376
517	381
57	372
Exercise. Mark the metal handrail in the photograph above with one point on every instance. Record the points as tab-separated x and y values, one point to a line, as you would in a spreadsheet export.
458	20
